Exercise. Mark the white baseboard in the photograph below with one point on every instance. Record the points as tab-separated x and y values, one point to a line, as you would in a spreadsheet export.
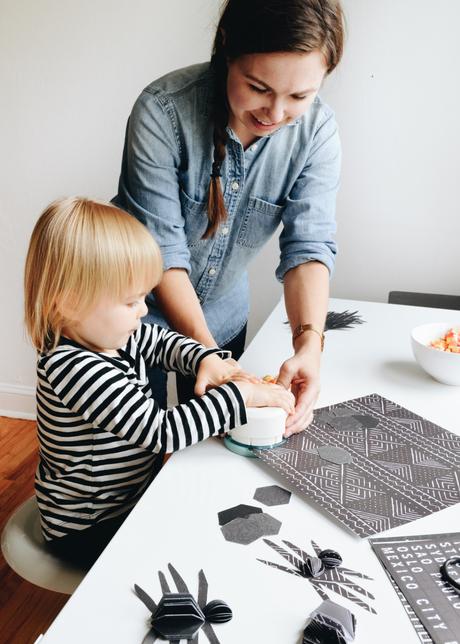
17	401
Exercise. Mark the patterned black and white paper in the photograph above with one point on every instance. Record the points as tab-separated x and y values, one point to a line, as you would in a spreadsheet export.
398	468
413	565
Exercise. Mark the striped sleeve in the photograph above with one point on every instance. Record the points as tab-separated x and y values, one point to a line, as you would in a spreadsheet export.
172	351
105	398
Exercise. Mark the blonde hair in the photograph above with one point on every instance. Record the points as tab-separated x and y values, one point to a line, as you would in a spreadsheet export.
81	250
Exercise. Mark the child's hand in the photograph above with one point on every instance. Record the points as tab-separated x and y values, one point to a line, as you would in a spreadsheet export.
213	371
266	395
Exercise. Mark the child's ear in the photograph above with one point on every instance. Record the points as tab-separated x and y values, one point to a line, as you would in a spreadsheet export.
66	309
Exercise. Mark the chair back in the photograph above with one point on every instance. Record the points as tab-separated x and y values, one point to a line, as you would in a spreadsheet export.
432	300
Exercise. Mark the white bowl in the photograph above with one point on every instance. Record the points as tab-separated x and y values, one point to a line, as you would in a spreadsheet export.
441	365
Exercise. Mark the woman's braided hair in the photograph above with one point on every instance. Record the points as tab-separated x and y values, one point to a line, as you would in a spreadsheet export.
264	26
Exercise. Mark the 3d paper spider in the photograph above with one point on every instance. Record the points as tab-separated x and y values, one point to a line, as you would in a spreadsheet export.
178	615
321	577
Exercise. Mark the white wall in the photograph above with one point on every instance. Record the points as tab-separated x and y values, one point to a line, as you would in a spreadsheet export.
397	98
70	71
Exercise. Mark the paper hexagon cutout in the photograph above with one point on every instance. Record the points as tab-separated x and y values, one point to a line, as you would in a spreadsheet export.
237	512
249	529
330	623
334	454
272	495
177	617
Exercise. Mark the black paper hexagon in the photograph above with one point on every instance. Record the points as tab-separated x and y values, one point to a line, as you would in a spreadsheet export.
249	529
334	454
237	512
272	495
330	623
177	616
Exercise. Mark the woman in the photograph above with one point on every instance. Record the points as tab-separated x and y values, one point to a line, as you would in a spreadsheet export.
252	119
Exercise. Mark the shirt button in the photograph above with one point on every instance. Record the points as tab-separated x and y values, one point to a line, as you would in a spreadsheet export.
254	147
225	230
235	185
212	271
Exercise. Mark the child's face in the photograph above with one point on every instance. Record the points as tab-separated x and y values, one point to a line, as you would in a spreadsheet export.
267	91
108	325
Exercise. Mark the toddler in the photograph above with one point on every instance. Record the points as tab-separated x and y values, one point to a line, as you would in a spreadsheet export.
102	436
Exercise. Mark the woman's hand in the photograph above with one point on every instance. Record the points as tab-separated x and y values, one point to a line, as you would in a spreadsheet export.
301	374
258	394
213	371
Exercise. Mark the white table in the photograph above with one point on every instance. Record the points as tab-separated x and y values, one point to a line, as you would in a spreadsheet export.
176	520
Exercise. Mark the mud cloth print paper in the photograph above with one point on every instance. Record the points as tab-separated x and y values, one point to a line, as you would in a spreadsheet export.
385	466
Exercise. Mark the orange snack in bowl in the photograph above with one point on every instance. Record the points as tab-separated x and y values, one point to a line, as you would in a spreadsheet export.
449	343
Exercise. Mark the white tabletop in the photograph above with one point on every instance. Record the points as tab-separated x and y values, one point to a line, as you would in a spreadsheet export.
176	519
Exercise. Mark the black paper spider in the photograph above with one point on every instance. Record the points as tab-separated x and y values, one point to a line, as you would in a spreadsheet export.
334	579
178	615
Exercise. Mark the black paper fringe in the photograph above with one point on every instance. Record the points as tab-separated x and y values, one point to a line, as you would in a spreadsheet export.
341	320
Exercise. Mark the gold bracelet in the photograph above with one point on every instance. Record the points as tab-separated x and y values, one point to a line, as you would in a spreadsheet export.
301	328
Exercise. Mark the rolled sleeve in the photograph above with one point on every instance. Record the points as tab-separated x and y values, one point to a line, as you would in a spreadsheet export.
309	212
149	182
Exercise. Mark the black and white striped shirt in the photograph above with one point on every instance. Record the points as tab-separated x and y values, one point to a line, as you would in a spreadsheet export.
103	437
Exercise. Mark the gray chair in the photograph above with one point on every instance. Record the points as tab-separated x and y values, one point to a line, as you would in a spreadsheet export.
432	300
23	547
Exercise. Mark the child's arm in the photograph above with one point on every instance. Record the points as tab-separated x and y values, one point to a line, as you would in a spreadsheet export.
100	393
213	371
172	351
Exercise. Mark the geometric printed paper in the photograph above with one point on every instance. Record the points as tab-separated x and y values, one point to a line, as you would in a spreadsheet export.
403	467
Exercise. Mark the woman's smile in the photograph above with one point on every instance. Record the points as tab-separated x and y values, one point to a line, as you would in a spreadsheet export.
267	91
264	123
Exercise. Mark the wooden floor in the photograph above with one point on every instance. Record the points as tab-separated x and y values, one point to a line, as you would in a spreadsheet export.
25	610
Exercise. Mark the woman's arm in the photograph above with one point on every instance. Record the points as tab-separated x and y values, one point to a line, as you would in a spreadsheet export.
306	292
307	258
181	307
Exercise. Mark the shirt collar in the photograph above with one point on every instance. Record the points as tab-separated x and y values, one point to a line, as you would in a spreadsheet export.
122	354
234	137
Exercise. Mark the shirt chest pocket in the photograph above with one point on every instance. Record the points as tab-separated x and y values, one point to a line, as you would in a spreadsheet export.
195	217
260	221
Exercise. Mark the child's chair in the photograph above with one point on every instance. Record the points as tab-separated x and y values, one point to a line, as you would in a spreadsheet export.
23	547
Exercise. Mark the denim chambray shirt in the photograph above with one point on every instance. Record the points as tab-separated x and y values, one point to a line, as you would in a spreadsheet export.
289	177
